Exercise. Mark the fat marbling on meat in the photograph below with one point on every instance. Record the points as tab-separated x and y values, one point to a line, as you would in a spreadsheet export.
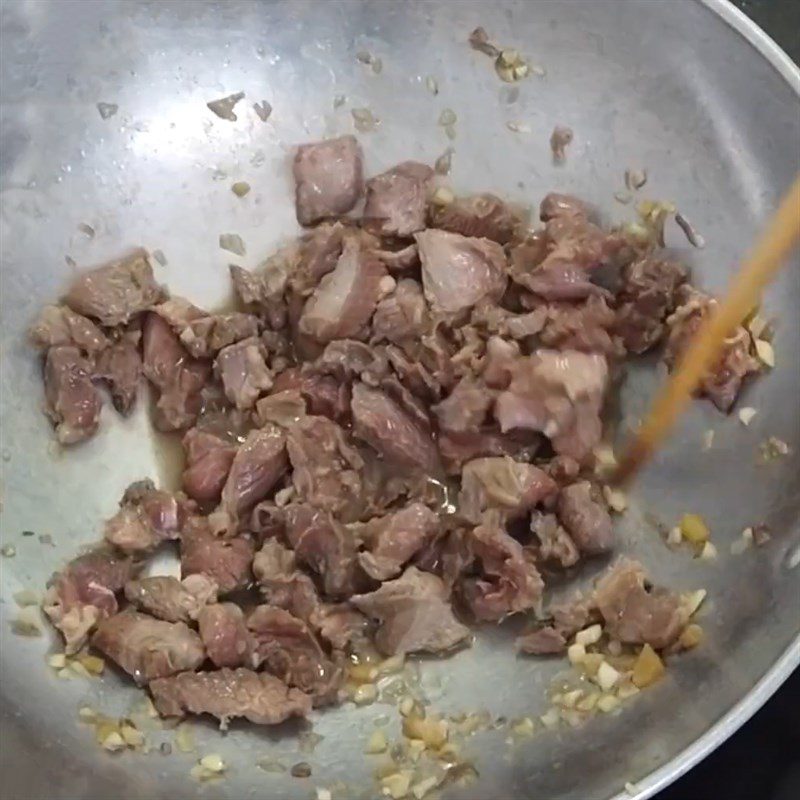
328	178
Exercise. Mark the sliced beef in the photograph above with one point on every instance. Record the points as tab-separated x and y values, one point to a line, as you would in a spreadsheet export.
243	371
326	467
556	546
286	647
225	636
324	395
458	271
501	356
72	402
505	484
345	299
396	200
318	254
586	519
559	394
169	599
406	258
115	293
342	626
230	693
147	516
509	582
394	539
555	204
634	614
285	408
148	648
414	614
482	215
724	381
392	431
282	583
648	296
225	561
85	592
61	326
458	448
177	377
414	375
325	546
264	291
401	316
257	466
466	407
328	178
346	359
544	641
587	326
208	461
120	367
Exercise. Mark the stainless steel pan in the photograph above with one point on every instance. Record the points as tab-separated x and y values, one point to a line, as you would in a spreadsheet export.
691	91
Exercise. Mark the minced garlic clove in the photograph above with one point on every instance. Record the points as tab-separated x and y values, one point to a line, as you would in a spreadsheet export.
648	667
694	529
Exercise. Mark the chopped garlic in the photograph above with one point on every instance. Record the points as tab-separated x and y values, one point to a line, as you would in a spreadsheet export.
377	743
233	243
627	690
648	667
28	622
708	439
132	736
114	742
432	731
616	499
746	415
184	738
419	790
631	789
26	597
240	188
213	763
391	665
570	699
674	537
432	85
406	706
323	794
576	653
588	703
694	528
365	694
693	601
550	718
92	664
396	785
756	325
607	676
523	727
590	635
86	714
709	552
765	352
442	196
607	703
691	636
604	457
57	660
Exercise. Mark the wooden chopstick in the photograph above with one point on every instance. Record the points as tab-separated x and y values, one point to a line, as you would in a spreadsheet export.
743	296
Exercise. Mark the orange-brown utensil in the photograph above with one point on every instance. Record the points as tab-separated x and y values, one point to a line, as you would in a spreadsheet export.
743	295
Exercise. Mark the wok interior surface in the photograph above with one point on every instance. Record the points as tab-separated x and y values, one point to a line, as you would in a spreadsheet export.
670	87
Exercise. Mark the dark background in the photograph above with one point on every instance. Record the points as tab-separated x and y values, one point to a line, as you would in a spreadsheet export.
762	760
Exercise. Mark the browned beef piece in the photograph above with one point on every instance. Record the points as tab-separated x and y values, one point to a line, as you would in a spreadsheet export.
466	407
505	484
328	178
384	424
326	467
542	642
284	408
243	371
117	292
169	599
586	520
405	258
458	448
458	271
345	299
282	583
287	648
396	200
504	323
72	402
177	376
148	648
509	582
85	592
394	539
225	561
147	516
60	325
724	381
414	614
346	359
555	544
229	693
204	334
257	466
414	375
632	613
225	635
648	296
324	395
586	326
483	215
208	462
401	316
263	291
324	545
559	394
318	253
120	367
